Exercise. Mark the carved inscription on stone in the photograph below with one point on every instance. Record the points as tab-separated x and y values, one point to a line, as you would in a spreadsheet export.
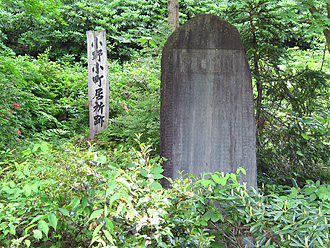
208	118
207	112
205	60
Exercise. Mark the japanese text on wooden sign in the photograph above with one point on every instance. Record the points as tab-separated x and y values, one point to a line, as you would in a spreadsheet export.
98	81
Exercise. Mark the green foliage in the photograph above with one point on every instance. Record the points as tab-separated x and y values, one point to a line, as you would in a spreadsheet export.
40	96
126	23
77	196
288	92
134	102
74	194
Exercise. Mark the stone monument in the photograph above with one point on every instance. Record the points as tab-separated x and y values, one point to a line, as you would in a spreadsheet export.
207	111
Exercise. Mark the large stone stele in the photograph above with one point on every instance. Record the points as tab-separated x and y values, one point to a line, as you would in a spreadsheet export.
207	111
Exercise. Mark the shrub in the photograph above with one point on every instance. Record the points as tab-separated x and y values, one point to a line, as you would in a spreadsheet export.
77	196
134	103
41	96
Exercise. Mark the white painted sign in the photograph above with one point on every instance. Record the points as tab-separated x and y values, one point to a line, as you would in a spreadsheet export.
98	81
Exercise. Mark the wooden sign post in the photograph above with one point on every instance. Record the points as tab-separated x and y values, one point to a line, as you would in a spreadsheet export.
98	81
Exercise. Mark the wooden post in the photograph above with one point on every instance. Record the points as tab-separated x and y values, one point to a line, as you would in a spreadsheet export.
98	81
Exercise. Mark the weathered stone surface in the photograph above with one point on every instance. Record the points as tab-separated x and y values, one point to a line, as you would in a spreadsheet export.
207	111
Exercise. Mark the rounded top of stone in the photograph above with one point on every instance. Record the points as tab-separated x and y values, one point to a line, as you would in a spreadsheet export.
205	31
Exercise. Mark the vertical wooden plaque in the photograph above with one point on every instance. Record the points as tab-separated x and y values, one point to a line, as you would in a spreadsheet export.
98	81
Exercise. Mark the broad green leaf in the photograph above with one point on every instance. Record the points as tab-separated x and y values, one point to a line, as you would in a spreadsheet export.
156	186
278	215
108	236
12	184
240	169
26	152
101	170
305	136
88	210
96	214
64	211
43	226
156	169
27	190
323	189
310	190
113	198
246	242
131	164
157	176
52	220
97	230
203	222
110	189
294	191
144	173
123	182
255	228
121	208
219	180
37	234
216	216
103	159
84	202
300	153
35	147
233	177
96	234
26	172
44	147
210	215
74	203
207	183
38	217
109	224
12	229
27	243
